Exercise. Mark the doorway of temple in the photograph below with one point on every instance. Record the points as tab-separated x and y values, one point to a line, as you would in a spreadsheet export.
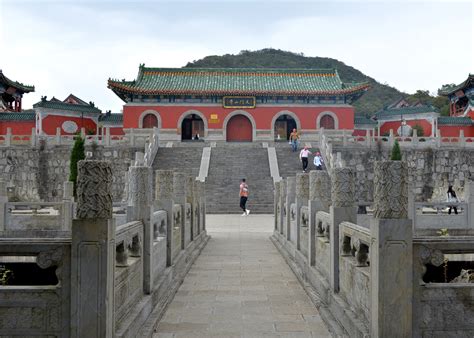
284	125
192	128
150	121
327	122
239	129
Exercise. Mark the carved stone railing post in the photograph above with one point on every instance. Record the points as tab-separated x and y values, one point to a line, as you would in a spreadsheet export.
314	205
342	209
469	198
391	253
282	214
68	205
276	206
188	215
93	253
196	210
201	197
164	201
290	199
179	197
3	202
302	196
139	209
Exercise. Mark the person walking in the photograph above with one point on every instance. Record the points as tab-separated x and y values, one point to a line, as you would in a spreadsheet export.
318	161
294	137
244	193
452	198
304	153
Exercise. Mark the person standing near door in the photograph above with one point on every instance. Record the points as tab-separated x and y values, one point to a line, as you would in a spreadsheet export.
244	193
294	137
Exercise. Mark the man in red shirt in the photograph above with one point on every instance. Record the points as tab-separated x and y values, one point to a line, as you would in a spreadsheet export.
244	193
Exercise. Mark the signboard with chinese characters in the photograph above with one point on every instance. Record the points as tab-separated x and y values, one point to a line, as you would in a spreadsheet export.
239	101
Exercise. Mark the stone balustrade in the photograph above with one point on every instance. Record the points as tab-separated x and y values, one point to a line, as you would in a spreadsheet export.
372	273
116	273
132	137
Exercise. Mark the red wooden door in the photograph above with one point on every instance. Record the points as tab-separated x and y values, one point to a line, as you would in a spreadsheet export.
239	129
150	121
327	121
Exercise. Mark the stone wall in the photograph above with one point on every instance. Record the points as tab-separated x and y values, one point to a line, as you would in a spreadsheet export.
429	171
38	173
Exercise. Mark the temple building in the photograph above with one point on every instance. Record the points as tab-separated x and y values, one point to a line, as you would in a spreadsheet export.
11	93
461	98
237	104
69	115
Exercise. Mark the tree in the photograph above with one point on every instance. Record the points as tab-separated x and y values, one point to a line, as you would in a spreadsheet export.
77	154
396	154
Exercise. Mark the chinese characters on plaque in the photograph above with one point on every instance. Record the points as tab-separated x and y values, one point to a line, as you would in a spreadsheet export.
239	101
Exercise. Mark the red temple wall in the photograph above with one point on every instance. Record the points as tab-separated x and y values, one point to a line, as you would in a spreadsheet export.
453	131
262	115
51	122
386	126
17	127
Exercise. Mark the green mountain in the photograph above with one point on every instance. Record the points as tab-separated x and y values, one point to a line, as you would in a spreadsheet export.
378	96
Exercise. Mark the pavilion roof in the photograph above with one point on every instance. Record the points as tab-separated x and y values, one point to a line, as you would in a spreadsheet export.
455	120
18	116
235	81
452	89
111	118
56	104
358	120
15	84
405	111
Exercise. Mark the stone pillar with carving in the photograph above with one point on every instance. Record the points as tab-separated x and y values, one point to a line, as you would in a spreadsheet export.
93	253
3	201
282	214
276	206
469	199
68	205
164	201
314	205
196	209
188	210
301	200
290	200
179	198
139	208
201	192
343	209
391	253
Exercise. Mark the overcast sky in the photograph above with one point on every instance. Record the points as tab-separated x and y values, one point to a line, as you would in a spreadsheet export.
65	46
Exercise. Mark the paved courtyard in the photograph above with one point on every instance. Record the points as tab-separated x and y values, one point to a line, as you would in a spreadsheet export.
240	286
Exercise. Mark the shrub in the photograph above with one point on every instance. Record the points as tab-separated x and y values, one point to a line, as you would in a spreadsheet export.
419	130
77	154
396	154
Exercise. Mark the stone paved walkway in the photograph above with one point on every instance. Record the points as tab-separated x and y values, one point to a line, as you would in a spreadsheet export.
240	286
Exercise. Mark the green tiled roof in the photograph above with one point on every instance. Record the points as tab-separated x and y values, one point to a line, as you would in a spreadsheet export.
450	90
67	106
363	120
112	118
235	81
405	111
18	85
455	120
17	116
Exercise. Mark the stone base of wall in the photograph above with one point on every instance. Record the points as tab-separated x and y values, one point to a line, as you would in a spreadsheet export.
335	312
147	313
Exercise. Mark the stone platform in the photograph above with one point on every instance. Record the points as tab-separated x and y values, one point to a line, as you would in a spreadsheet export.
240	286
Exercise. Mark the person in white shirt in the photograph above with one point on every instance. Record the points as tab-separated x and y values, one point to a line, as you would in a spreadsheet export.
318	161
304	153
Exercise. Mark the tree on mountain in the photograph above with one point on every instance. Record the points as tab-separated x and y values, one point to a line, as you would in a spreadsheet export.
77	154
